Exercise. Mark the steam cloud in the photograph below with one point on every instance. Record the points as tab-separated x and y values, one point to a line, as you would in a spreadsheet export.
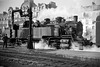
53	13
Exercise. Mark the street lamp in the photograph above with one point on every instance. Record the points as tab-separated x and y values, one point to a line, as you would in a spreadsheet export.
10	20
26	10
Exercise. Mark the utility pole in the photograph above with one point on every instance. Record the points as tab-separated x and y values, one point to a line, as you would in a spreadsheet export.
9	21
30	43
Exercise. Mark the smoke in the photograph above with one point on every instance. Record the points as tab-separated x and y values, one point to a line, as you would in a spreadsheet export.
77	46
59	11
51	13
64	9
42	45
92	48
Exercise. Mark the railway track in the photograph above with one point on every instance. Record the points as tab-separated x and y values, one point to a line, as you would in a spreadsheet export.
40	59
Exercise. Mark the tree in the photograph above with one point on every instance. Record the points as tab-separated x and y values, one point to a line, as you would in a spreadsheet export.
52	5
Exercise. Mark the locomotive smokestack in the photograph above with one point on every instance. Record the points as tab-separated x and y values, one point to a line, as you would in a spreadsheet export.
75	18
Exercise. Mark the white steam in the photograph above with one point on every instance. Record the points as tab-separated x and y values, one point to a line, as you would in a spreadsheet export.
42	45
59	11
77	46
52	13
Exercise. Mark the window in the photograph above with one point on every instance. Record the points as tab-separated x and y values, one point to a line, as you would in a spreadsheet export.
92	27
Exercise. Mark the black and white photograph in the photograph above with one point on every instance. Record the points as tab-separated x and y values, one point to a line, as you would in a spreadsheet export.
49	33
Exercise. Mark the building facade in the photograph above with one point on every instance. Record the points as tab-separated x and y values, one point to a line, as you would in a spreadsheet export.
3	20
89	16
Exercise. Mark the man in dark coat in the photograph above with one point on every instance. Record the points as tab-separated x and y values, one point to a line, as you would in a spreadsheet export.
5	39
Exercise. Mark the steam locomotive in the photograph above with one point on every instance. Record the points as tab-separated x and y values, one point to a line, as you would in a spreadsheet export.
57	34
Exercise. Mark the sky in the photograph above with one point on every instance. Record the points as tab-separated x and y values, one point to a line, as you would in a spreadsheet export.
5	4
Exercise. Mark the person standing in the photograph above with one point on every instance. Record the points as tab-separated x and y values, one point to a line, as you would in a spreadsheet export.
5	39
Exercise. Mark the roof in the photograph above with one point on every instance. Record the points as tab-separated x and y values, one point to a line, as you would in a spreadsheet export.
3	16
27	2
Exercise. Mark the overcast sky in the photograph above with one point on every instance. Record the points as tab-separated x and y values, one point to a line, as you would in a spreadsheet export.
5	4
